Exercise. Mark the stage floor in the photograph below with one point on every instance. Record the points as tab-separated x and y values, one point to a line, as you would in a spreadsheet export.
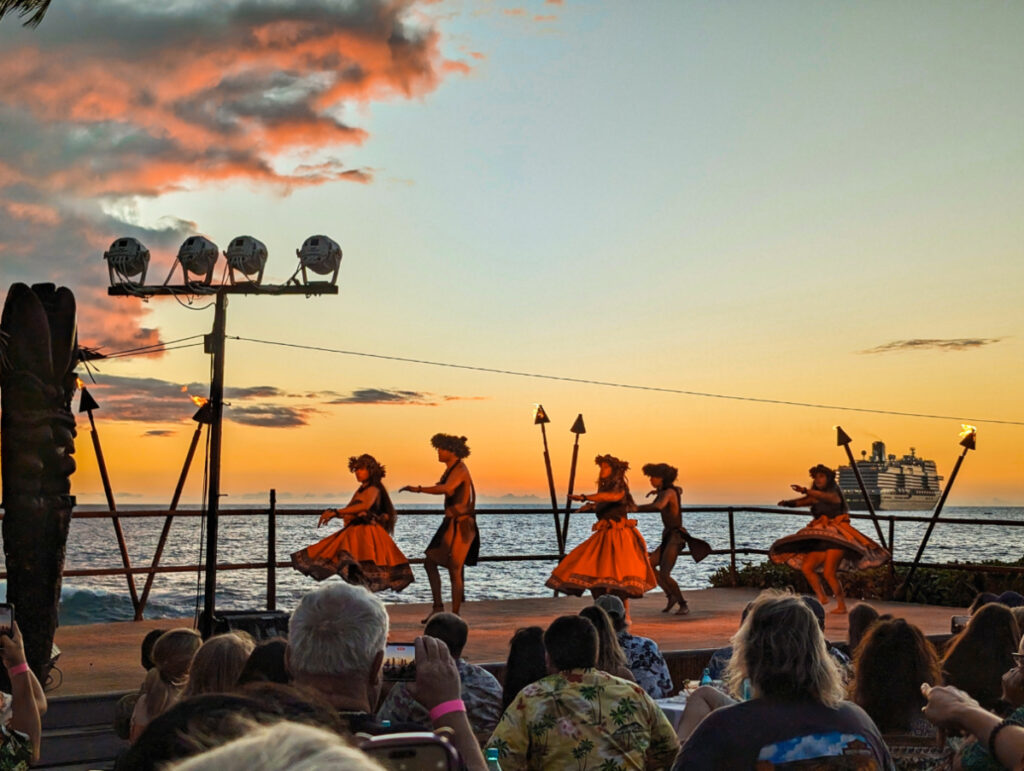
100	658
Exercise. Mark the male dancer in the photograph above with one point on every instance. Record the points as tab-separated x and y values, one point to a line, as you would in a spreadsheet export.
457	541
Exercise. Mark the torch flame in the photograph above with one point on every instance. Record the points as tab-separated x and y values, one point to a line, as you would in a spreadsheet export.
967	430
78	383
199	401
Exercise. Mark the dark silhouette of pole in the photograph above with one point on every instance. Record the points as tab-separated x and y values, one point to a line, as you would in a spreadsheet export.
968	443
215	346
87	405
843	440
577	428
540	418
202	417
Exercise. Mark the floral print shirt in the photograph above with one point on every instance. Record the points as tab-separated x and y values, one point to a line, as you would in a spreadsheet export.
584	720
647	665
481	692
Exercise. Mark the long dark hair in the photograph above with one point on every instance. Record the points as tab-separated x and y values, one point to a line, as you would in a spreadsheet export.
610	656
977	658
377	472
891	662
526	662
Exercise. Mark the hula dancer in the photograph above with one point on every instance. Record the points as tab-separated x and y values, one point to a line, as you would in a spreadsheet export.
829	543
457	541
614	559
362	552
674	536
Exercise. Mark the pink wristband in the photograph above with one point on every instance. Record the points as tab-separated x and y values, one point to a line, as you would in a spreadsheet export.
17	669
455	705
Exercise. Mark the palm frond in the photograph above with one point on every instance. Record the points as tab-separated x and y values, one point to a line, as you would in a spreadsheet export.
35	10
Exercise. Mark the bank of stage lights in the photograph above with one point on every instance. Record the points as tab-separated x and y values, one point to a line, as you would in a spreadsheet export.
246	257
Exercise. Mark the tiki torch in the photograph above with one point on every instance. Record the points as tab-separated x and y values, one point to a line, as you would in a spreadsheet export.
843	440
968	440
203	417
87	404
577	428
540	418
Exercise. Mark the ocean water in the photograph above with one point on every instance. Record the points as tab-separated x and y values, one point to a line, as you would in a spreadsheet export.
92	544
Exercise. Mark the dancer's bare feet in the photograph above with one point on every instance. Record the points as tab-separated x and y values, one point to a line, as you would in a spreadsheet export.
839	609
684	609
433	612
671	602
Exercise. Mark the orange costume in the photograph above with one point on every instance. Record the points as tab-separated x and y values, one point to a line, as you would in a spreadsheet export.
362	552
614	559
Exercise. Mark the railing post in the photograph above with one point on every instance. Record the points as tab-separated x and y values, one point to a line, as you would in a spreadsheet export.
732	546
272	552
892	554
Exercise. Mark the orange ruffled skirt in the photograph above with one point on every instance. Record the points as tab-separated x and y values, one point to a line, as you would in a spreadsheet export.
859	551
361	553
614	559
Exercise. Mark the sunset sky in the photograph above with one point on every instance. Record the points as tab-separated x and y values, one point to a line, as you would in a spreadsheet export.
803	202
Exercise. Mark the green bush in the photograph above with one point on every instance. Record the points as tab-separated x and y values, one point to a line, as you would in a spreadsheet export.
931	586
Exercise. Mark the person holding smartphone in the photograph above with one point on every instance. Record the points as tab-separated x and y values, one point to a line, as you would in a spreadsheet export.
19	739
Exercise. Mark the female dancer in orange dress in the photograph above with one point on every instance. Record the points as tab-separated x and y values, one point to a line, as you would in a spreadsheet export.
614	559
362	552
829	542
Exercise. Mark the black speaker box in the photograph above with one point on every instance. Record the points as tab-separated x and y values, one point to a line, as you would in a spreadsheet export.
261	624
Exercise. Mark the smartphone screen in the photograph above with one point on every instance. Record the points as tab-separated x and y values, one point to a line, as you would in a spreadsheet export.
6	618
399	662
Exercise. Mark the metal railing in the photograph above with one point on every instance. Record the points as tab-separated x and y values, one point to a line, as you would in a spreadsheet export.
272	512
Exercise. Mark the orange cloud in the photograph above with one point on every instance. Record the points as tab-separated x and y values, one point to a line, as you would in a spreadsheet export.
113	100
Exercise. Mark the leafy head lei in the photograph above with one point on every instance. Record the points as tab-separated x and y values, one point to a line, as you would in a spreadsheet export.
369	463
821	468
456	445
666	473
619	467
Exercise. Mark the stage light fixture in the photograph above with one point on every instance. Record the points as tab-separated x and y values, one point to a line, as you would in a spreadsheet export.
127	262
198	256
248	256
319	254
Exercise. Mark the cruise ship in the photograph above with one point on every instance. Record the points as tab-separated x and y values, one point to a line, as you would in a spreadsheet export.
909	483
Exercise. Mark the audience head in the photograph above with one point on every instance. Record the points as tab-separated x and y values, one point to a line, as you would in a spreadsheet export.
338	631
615	609
218	663
449	629
892	661
781	649
284	745
147	647
525	664
571	643
610	657
816	608
861	617
266	663
172	657
1010	599
193	726
977	658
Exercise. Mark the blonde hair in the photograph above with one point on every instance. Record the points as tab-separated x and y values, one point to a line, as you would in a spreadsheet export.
172	658
288	745
781	649
218	663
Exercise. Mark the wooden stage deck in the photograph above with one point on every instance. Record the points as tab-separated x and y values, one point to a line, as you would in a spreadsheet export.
102	658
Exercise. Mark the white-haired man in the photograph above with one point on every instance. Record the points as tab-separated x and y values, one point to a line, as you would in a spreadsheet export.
336	640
